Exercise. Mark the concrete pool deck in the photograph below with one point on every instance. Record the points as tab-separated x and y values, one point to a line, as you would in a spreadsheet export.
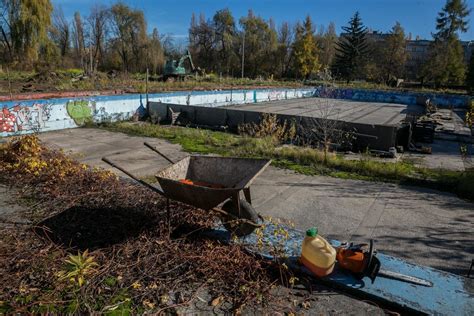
373	113
420	225
373	124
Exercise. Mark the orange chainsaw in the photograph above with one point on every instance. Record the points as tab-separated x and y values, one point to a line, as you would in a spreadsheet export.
361	261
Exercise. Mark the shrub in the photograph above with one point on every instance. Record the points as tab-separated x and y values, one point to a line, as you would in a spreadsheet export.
269	126
470	115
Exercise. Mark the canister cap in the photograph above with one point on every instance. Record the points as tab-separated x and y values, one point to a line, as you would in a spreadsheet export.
312	232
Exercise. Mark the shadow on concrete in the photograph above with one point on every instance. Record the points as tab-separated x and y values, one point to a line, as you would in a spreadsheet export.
442	248
91	228
434	228
392	196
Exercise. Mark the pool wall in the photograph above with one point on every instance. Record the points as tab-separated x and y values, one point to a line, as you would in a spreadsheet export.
42	115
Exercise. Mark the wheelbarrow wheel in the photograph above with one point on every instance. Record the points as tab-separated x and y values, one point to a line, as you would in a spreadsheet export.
246	212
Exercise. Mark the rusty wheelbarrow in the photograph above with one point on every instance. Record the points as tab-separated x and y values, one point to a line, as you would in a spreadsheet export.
211	183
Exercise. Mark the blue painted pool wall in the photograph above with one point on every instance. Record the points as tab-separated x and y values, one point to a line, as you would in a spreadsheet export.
408	98
20	117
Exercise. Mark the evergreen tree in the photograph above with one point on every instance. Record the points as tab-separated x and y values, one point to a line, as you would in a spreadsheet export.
446	65
306	51
452	19
351	50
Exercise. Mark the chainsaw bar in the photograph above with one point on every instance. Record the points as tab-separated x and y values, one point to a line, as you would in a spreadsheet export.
404	278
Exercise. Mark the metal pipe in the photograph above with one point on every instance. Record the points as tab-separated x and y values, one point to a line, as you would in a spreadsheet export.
243	54
146	87
146	184
470	269
158	152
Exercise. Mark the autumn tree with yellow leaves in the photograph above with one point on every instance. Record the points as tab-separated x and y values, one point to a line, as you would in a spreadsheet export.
306	50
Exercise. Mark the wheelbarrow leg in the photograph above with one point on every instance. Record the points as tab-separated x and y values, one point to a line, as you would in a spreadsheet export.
168	216
236	200
247	195
242	219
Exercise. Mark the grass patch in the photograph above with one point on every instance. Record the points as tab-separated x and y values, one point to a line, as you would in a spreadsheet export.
303	160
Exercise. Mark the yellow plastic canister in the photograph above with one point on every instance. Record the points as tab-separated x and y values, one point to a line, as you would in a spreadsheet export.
317	254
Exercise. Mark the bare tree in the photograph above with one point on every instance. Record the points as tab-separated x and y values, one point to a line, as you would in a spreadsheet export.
202	42
284	51
98	21
79	40
5	39
61	32
324	129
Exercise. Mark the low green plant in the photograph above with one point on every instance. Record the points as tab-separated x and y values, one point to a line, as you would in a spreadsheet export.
16	75
70	72
78	268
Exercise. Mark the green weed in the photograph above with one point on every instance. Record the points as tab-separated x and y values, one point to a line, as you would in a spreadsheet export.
78	268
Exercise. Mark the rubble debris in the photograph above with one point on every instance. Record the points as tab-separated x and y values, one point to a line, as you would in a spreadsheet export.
420	148
424	132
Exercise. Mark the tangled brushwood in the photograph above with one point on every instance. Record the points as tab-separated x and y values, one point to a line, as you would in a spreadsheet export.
103	244
270	126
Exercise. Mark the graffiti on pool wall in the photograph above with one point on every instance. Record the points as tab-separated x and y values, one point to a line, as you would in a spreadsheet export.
333	93
24	118
84	111
81	111
275	95
409	98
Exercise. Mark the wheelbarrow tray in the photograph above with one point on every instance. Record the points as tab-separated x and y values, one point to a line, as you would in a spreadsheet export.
233	174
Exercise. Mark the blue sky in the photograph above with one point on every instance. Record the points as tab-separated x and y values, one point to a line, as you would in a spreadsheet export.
173	16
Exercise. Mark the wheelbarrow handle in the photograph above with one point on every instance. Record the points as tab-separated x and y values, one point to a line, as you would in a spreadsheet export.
158	152
149	186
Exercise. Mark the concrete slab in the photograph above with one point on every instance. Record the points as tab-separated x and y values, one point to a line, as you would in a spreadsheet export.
90	145
11	212
424	226
375	124
446	154
374	113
